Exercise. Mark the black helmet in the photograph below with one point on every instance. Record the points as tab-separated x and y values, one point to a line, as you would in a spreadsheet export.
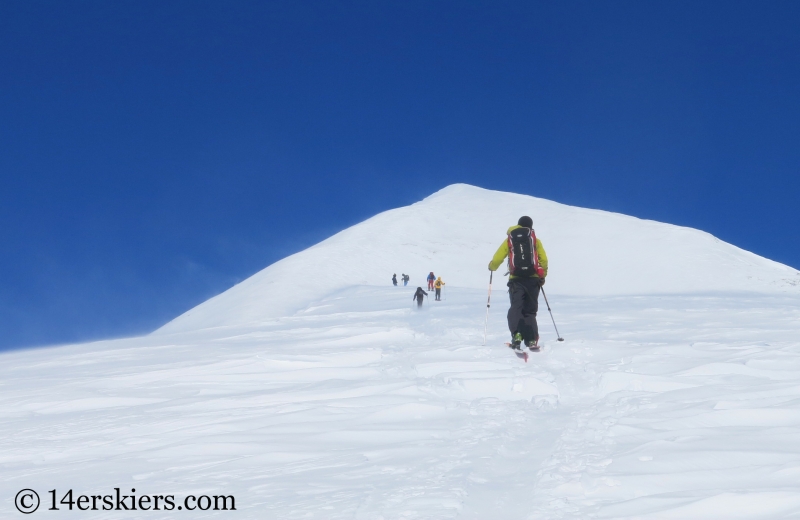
525	222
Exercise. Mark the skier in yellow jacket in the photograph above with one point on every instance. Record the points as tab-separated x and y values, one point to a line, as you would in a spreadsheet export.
438	286
527	264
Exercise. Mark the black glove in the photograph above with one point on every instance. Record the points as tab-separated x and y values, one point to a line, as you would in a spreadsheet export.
541	282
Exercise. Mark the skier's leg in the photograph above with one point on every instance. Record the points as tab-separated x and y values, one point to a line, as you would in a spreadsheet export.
530	331
516	295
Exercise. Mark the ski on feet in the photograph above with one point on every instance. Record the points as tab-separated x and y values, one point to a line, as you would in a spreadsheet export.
518	351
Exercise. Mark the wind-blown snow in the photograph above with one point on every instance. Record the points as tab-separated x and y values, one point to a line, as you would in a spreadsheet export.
668	399
455	232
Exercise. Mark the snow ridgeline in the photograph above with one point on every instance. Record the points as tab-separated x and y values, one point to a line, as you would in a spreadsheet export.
455	231
349	403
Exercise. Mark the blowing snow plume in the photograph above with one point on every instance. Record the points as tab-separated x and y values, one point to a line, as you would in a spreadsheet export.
675	394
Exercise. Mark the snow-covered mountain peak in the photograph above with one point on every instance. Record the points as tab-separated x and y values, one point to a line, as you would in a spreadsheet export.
454	233
317	389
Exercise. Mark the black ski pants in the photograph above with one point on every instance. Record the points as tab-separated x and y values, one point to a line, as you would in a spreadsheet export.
524	295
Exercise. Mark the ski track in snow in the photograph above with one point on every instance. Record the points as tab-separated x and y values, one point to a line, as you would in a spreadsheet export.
360	406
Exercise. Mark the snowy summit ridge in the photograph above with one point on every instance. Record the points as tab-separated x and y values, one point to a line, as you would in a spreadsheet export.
455	231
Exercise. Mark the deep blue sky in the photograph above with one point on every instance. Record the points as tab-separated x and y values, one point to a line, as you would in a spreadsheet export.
154	153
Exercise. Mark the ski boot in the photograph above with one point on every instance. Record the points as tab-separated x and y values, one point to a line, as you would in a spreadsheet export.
533	345
516	341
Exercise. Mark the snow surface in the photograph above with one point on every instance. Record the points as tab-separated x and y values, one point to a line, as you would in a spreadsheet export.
672	396
455	232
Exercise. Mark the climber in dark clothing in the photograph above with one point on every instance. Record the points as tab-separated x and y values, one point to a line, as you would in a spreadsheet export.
419	295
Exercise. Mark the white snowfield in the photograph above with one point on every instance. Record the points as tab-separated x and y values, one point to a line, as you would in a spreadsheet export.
455	232
676	394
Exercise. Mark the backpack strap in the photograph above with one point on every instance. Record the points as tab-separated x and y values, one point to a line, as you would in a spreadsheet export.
536	266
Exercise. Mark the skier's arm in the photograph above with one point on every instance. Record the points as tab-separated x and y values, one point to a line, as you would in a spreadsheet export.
542	256
500	255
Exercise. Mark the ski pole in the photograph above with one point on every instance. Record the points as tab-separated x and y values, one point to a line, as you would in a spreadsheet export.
488	302
551	315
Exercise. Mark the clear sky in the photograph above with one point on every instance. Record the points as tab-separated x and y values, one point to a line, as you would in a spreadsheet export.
152	154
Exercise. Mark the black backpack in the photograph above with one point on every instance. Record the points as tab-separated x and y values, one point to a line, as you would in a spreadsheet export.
522	258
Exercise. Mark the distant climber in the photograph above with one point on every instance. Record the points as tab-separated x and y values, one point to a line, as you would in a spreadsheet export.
419	295
405	279
394	279
527	264
431	279
438	284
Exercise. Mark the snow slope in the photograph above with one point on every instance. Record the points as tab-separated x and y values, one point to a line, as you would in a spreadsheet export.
455	231
354	404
